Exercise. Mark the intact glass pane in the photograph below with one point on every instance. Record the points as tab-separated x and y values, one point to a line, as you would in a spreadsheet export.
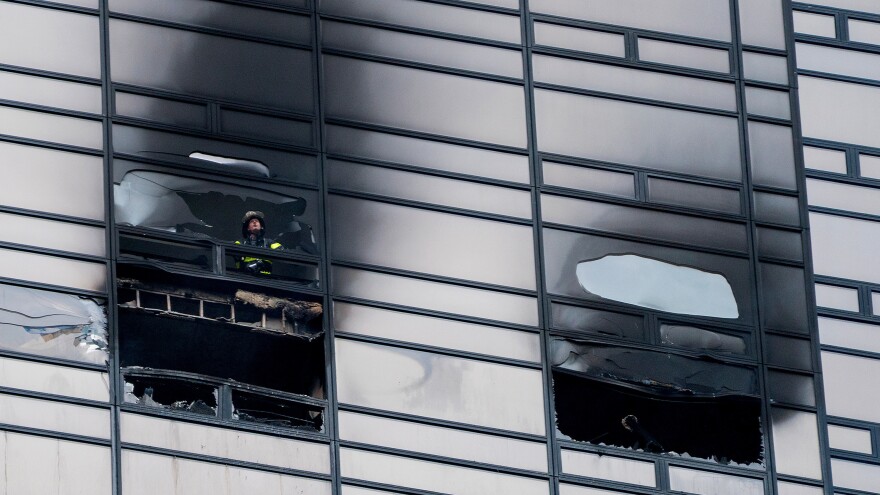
645	223
854	259
447	104
147	474
431	155
54	379
55	416
582	40
825	159
814	24
45	269
162	110
784	298
790	388
393	183
875	303
850	439
241	71
690	194
768	103
864	31
438	332
442	441
50	92
693	56
869	166
433	476
850	386
425	49
439	386
608	467
777	243
52	181
707	483
788	352
838	61
438	296
568	489
771	150
53	234
849	334
49	39
700	18
856	105
431	242
786	488
223	16
61	466
425	15
761	23
841	196
51	127
835	297
269	450
763	67
597	322
855	475
796	443
266	127
700	339
634	82
776	208
640	135
53	324
857	5
588	179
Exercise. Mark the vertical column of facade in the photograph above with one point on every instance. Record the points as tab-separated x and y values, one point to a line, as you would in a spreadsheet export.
790	365
434	300
838	49
216	200
54	394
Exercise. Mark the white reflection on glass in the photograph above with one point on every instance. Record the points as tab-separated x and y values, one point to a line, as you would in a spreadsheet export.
655	284
851	439
869	166
855	475
825	159
706	483
700	339
796	443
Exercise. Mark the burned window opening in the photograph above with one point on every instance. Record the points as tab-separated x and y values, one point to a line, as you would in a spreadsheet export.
169	390
223	329
53	324
656	402
208	209
656	284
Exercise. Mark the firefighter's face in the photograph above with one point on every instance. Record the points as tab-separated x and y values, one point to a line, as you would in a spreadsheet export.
254	227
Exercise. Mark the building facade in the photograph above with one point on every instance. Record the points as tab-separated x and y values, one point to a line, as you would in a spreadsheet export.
537	247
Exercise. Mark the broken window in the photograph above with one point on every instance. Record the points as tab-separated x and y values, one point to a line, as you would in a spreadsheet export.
656	402
52	324
221	348
147	196
656	284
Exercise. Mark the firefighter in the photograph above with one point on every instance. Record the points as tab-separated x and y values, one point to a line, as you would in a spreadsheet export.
253	228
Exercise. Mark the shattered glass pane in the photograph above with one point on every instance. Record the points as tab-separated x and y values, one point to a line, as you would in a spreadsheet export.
655	284
171	394
695	338
52	324
656	402
206	209
140	247
272	411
